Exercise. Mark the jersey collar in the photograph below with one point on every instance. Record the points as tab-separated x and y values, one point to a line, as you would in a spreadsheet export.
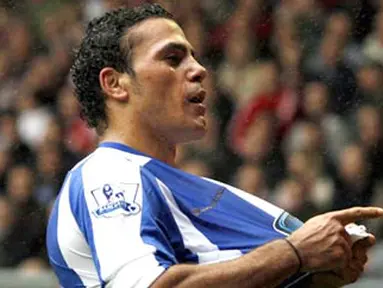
122	147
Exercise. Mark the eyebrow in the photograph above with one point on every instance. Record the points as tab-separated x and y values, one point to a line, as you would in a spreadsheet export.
177	46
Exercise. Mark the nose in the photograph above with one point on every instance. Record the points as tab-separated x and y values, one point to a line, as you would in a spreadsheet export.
197	72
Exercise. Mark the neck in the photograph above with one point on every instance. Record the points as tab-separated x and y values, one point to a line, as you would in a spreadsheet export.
143	141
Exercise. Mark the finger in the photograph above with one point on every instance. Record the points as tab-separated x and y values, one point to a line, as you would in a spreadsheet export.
362	246
354	274
356	214
367	242
359	254
347	245
347	249
348	274
361	259
358	265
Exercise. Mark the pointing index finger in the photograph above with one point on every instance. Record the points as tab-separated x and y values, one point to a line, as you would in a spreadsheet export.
356	214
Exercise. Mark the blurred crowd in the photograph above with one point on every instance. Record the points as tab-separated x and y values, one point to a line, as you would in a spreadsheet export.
295	96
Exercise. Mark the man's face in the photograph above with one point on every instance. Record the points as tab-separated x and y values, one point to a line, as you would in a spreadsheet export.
168	95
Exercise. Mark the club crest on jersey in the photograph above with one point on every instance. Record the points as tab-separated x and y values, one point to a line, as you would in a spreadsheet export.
116	199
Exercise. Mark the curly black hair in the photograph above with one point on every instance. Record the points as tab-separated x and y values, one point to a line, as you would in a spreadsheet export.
102	47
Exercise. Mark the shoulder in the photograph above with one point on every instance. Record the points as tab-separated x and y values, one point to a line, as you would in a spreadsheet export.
109	181
105	169
108	164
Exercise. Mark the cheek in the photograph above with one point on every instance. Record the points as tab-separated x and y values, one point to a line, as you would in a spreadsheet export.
169	94
164	91
159	81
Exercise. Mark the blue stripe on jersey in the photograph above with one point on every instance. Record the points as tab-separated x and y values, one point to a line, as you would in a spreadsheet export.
230	223
55	257
80	212
162	232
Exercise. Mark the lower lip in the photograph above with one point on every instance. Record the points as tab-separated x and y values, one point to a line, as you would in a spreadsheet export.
199	108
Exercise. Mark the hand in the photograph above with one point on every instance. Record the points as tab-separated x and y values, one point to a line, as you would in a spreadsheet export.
348	274
324	244
355	266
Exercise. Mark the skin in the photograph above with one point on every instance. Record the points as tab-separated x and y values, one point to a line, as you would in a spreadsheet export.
150	112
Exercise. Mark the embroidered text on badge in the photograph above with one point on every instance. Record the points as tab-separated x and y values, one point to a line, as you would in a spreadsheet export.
116	199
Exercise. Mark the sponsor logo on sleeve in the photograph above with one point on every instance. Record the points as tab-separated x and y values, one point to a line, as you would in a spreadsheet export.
116	199
287	224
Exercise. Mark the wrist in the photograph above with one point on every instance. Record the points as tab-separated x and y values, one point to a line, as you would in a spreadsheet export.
299	262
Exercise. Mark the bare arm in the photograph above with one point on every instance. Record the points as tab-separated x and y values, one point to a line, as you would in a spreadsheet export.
322	243
265	267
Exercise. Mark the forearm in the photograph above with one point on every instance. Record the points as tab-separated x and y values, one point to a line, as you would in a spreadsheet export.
266	266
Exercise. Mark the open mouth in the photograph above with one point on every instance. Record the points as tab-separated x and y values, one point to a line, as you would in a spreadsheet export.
197	98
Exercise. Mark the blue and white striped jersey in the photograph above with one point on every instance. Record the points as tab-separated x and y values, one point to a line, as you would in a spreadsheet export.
122	218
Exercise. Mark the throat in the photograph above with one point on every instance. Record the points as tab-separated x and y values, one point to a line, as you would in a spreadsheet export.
154	147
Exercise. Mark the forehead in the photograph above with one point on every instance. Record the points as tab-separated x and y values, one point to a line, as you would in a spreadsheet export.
151	35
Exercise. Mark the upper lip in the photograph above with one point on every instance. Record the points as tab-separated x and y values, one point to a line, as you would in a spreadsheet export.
198	97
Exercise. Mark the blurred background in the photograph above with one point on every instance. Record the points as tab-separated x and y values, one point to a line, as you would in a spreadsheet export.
295	98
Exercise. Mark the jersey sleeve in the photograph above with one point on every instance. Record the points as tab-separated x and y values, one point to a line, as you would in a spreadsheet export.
109	206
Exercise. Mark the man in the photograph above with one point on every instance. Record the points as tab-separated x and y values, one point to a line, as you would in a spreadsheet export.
126	218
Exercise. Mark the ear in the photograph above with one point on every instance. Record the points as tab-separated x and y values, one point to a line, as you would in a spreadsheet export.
114	84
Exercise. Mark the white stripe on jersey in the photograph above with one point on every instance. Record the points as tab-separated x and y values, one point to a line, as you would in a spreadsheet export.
73	246
193	239
124	277
121	234
122	256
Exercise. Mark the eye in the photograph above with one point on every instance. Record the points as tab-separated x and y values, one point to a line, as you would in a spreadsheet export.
174	60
